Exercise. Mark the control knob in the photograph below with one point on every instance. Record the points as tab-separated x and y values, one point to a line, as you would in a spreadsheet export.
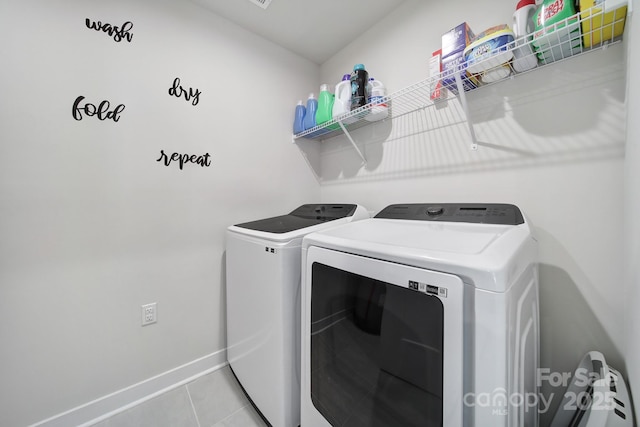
435	210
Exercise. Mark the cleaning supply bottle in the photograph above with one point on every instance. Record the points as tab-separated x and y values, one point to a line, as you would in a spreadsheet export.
359	80
342	101
524	57
310	116
557	31
325	105
298	125
379	109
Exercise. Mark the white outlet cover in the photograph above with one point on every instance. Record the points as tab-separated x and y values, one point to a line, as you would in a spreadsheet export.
149	314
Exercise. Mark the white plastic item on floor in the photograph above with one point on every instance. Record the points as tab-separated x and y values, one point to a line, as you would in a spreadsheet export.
596	397
379	107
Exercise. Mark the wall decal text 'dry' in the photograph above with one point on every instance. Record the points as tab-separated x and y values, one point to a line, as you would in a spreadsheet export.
203	161
102	111
118	33
178	91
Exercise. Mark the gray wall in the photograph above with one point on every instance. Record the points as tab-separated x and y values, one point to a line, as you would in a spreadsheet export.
632	214
93	226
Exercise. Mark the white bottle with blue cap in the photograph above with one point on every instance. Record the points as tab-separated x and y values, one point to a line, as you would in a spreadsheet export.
379	108
342	101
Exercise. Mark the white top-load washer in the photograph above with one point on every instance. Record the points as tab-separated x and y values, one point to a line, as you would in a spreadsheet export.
263	304
425	315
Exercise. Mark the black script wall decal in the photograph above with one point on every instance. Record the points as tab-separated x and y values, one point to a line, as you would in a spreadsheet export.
203	161
101	111
117	33
177	90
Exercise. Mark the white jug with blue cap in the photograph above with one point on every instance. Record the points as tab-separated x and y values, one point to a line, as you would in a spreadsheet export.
524	57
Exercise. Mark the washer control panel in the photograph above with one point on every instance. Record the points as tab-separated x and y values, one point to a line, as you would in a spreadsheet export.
478	213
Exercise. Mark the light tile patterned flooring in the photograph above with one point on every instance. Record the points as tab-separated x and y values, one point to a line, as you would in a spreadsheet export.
214	400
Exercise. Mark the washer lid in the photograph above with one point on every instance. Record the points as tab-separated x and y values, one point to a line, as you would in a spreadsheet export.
419	239
302	217
487	255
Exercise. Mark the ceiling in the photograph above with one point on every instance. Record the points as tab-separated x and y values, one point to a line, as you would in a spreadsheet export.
314	29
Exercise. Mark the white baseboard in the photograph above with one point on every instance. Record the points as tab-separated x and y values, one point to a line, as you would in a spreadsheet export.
121	400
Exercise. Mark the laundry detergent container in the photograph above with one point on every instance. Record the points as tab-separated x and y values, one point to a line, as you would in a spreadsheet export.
489	54
602	21
557	31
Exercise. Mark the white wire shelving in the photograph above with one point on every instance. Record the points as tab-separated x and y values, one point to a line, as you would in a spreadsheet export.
587	31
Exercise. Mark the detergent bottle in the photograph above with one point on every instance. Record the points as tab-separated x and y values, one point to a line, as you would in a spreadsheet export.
557	31
342	101
298	120
379	108
325	105
359	80
310	116
524	57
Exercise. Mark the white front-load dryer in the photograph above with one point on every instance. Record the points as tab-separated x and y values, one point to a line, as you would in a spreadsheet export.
425	315
263	260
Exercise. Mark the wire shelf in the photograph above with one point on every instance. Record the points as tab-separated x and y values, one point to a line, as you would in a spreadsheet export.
587	31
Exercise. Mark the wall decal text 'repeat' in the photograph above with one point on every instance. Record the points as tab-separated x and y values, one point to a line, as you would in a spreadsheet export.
118	33
203	161
102	111
178	91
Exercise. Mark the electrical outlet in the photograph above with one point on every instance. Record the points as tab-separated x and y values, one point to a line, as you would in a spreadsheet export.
149	314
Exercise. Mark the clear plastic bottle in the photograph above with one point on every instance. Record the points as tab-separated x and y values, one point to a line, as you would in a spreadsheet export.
342	102
310	117
298	125
359	80
379	109
325	105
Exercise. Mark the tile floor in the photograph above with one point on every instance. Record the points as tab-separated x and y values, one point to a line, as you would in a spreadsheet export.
214	400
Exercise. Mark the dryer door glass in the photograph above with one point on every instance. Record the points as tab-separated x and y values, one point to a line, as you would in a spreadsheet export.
376	351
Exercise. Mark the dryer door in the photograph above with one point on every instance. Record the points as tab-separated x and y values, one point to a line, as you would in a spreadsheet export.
382	343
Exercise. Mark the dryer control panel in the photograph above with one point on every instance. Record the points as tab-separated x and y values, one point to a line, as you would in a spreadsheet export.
477	213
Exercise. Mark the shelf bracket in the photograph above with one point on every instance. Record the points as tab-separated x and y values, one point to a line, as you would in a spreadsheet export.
465	107
346	132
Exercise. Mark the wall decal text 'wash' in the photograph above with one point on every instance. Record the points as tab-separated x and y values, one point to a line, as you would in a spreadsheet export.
118	33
